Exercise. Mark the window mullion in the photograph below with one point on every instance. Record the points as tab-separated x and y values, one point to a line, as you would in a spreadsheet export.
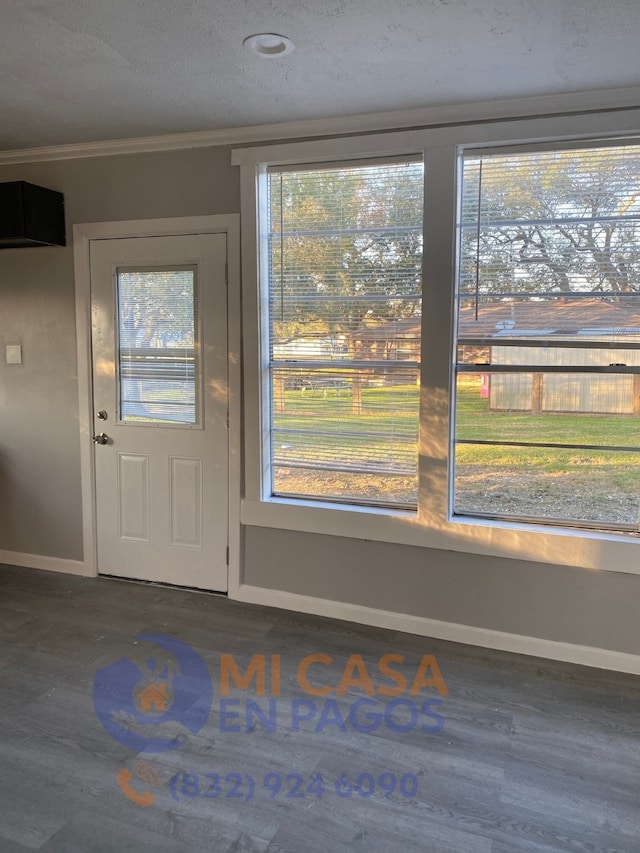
441	165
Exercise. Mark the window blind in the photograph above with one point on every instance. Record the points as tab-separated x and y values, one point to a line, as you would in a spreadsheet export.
548	323
549	229
344	299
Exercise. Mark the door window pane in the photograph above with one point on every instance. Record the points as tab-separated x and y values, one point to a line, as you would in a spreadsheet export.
158	346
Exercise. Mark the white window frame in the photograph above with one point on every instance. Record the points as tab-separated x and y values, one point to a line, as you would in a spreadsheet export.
433	526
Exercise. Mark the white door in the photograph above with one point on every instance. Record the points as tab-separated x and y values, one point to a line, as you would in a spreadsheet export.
160	402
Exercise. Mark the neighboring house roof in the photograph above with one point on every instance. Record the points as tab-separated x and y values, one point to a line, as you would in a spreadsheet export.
558	316
583	316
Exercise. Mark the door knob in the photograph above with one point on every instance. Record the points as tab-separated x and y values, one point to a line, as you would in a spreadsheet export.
102	438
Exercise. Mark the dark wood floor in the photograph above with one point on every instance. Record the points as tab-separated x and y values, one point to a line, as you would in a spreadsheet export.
533	756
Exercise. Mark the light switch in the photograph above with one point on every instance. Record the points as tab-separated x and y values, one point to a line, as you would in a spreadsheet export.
13	354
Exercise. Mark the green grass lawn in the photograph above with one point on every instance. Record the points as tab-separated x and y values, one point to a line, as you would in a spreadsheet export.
600	485
315	426
393	410
475	421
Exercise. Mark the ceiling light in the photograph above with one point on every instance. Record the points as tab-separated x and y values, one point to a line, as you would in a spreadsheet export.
269	45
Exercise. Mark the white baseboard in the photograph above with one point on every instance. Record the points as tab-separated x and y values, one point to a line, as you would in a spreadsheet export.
419	625
485	637
49	564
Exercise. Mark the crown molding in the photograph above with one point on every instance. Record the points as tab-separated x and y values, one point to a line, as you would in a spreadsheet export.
593	101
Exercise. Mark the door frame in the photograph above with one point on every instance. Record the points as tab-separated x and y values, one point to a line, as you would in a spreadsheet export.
83	234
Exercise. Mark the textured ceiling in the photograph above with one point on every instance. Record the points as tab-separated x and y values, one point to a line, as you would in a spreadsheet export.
85	70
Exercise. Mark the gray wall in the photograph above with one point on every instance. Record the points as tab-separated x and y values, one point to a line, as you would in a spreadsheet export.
39	446
40	510
517	596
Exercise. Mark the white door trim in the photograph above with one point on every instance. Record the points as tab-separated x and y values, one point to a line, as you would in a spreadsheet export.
83	233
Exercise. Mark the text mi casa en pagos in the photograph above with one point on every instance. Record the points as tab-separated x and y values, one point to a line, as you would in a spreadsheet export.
391	698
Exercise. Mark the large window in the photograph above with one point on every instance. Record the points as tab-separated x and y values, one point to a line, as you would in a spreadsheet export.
343	331
366	266
547	409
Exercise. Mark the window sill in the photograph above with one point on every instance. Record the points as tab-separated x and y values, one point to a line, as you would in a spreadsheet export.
586	549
